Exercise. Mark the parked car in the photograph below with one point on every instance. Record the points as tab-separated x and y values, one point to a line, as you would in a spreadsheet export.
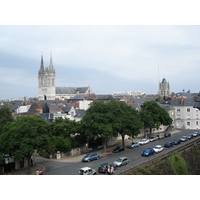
160	137
103	168
176	141
184	138
134	144
158	148
169	144
148	152
118	149
91	156
121	161
195	134
167	134
190	136
87	171
144	141
153	138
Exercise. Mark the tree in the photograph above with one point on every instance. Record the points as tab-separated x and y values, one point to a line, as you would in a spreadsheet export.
24	135
5	117
97	122
126	120
64	127
153	115
103	119
178	164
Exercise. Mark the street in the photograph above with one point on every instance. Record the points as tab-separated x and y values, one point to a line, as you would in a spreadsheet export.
71	166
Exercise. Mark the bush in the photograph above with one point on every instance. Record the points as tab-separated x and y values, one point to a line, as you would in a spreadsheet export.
178	164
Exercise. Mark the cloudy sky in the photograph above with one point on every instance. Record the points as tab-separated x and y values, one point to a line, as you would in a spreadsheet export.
109	58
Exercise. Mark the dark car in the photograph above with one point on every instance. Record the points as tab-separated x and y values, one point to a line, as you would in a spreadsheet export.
167	134
134	144
176	141
169	144
148	152
118	149
103	168
91	156
160	137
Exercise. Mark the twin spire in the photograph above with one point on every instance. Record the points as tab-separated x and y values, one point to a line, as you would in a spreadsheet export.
49	69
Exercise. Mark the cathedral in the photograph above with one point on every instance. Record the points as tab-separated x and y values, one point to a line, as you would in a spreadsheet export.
164	90
47	89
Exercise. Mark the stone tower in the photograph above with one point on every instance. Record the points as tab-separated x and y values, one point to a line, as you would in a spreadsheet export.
164	90
46	81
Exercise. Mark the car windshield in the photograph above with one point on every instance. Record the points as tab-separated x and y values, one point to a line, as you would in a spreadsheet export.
147	150
143	140
119	160
104	165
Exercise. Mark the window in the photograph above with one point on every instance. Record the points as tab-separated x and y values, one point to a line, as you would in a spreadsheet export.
178	116
178	110
188	109
197	123
188	123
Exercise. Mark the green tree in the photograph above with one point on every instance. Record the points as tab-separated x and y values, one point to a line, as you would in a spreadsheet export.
24	135
5	117
178	164
64	127
153	115
103	119
126	120
97	122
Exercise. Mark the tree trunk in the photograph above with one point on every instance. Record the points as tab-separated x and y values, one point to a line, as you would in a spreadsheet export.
150	132
29	165
105	145
123	140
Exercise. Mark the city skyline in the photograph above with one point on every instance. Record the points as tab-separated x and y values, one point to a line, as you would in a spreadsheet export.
107	58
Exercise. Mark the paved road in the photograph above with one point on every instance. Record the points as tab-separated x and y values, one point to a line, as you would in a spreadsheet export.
71	166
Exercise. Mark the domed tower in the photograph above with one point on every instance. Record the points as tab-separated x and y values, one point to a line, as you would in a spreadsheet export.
46	81
164	90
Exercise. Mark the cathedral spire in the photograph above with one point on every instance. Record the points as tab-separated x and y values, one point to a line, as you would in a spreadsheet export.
41	65
51	64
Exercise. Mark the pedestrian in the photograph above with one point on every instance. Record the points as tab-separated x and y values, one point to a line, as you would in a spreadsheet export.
37	172
108	171
112	169
40	173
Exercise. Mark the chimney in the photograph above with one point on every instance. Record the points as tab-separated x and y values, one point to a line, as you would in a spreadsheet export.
59	109
182	100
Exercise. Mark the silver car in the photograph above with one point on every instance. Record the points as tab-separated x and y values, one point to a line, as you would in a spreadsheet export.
121	161
144	141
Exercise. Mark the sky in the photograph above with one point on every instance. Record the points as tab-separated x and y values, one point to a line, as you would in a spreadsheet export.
107	57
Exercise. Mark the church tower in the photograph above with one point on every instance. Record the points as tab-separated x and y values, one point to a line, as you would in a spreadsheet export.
164	90
46	81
